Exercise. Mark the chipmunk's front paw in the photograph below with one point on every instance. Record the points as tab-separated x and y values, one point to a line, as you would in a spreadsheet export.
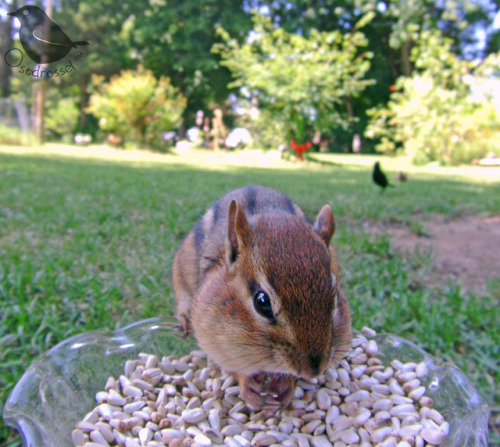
251	391
282	387
268	393
185	323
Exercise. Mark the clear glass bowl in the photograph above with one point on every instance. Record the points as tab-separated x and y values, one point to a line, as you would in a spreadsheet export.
58	388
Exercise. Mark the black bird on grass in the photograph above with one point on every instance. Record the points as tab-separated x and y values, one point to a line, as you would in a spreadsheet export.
379	177
42	39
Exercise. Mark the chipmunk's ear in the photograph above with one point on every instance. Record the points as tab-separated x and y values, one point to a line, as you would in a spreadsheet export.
238	232
325	224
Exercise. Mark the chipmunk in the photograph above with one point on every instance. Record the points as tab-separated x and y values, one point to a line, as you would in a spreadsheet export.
258	285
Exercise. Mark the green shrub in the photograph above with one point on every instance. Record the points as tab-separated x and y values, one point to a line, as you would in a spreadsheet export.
62	117
137	107
268	130
433	115
13	136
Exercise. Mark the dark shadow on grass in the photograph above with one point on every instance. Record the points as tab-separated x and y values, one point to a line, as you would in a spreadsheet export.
311	157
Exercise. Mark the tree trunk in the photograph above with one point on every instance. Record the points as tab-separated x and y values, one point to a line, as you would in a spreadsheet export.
350	114
405	58
40	99
84	101
392	62
6	45
40	110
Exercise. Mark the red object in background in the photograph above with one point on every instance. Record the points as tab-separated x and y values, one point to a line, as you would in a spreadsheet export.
392	88
300	148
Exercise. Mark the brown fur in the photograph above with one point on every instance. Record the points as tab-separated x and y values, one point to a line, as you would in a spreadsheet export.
255	238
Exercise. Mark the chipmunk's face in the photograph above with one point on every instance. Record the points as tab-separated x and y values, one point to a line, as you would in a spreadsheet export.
293	294
277	300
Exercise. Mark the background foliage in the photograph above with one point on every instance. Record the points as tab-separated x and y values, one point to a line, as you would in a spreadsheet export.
175	39
62	117
303	80
137	106
433	115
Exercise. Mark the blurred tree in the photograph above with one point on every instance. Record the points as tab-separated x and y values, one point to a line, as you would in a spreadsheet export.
107	53
175	38
6	43
308	81
493	45
171	38
393	32
435	114
397	23
109	49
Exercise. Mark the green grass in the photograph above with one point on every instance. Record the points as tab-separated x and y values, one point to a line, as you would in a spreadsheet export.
87	238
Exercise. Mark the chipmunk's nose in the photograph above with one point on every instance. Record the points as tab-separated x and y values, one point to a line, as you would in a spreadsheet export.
315	364
312	361
311	367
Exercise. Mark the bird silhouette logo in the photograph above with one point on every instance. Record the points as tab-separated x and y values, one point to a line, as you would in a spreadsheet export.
43	40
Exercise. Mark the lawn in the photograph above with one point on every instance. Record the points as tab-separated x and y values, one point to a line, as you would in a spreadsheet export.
87	238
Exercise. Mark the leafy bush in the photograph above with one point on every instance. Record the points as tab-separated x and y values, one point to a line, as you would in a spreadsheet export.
268	130
12	136
433	116
137	107
61	118
305	79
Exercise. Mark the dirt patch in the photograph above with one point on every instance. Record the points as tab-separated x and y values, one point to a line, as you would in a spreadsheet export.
465	248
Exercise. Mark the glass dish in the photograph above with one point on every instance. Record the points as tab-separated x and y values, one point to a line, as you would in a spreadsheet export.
58	388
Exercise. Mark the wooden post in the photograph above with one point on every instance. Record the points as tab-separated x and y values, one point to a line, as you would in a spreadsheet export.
218	129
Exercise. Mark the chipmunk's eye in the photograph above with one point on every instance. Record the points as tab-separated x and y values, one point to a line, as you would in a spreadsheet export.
262	304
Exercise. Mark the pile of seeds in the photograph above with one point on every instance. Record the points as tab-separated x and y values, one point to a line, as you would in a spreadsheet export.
188	402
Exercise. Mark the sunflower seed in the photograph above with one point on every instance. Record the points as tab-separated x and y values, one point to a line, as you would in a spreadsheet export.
368	332
320	441
417	393
106	431
435	416
310	427
349	436
78	437
152	376
391	441
421	370
132	391
180	366
371	348
432	436
194	416
382	405
98	438
380	434
263	440
357	396
324	400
